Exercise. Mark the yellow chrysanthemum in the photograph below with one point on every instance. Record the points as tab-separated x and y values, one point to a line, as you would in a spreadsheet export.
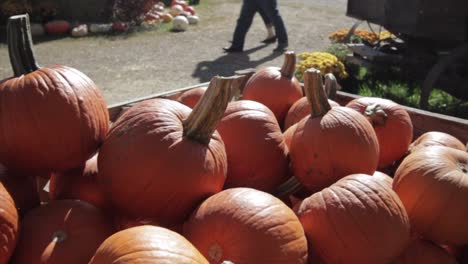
323	61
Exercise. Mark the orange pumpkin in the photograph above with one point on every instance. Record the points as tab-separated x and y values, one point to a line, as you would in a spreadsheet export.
421	251
80	184
147	244
191	97
244	225
161	159
344	221
433	185
57	27
299	110
276	88
391	123
288	134
384	178
23	190
63	231
52	118
332	142
435	138
256	154
9	223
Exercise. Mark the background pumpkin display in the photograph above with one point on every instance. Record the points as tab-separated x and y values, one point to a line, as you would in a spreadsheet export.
332	143
433	186
256	154
392	125
63	231
276	88
246	226
147	244
161	159
342	222
70	118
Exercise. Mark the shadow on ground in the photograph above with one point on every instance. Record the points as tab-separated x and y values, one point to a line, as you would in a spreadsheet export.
227	64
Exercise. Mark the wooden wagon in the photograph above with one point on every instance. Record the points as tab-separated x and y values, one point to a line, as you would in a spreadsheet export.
432	41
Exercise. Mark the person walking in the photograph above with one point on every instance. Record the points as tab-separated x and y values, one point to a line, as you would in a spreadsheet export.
271	37
248	10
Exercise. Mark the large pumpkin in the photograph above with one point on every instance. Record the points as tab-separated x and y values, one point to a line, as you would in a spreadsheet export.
52	118
244	225
59	232
161	159
147	244
425	252
191	97
356	220
332	142
435	138
256	154
80	184
433	185
391	123
22	188
276	88
9	224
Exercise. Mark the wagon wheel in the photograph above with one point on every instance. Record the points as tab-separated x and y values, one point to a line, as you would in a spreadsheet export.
437	70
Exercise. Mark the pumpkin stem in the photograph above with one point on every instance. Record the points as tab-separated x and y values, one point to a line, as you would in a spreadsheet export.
315	93
376	115
289	64
59	236
331	86
291	186
201	123
20	46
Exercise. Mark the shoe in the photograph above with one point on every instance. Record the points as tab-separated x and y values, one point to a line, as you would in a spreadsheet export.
281	47
269	40
232	49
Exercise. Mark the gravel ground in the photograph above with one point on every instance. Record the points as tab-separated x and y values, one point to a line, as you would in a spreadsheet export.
139	64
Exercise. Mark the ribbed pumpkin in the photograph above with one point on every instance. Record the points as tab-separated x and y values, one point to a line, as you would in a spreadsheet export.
80	184
288	134
9	224
425	252
391	123
356	214
301	108
332	142
276	88
22	188
191	97
161	159
256	154
433	185
147	244
61	232
52	118
435	138
244	225
383	178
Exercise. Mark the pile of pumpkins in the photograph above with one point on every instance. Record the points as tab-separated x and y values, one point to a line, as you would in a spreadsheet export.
180	13
199	178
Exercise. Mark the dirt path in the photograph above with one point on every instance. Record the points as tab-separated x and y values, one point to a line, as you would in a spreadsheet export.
149	62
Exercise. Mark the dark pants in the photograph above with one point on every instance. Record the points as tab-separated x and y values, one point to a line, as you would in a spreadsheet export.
249	8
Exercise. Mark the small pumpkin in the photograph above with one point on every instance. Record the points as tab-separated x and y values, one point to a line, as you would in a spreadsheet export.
69	117
180	23
167	18
57	27
435	138
433	185
299	110
191	97
342	222
9	223
246	226
256	154
422	251
161	158
22	188
147	244
63	231
386	118
276	88
80	184
332	142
